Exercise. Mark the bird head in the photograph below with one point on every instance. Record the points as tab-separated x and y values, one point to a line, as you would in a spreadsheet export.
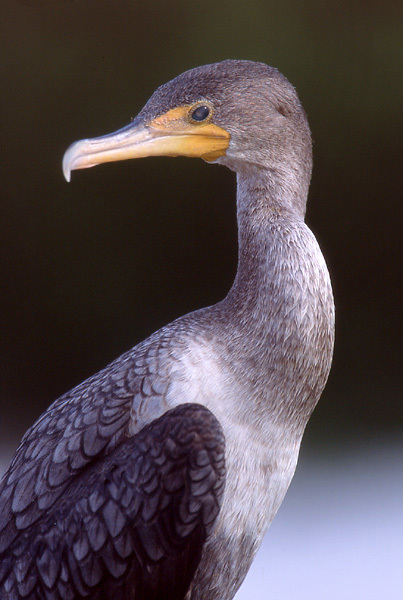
239	113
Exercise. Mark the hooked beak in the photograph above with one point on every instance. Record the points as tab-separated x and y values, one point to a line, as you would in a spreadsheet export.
170	134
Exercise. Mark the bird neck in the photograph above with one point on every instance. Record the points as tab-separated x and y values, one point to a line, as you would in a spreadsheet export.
267	223
280	307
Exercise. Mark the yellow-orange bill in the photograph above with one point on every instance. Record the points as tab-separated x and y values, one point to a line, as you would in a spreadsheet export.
170	134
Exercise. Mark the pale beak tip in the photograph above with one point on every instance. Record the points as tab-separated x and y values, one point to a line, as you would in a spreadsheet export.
67	163
67	175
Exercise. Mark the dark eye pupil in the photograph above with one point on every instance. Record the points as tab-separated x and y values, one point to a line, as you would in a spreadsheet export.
200	113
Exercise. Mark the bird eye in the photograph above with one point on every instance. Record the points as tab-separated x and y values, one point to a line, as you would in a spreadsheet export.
200	113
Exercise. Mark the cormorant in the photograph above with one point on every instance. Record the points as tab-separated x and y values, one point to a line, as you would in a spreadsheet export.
157	478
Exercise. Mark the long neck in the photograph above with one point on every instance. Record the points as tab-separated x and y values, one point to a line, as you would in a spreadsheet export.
268	231
280	305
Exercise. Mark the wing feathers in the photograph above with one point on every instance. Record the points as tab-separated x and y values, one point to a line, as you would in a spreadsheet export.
131	525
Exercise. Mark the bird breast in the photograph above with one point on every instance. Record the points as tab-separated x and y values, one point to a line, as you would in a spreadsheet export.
260	462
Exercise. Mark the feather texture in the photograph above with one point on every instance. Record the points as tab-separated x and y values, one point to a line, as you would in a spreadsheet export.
133	524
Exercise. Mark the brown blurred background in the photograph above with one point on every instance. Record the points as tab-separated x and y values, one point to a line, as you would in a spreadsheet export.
90	268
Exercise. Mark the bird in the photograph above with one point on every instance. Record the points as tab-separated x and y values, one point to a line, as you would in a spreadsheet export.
157	478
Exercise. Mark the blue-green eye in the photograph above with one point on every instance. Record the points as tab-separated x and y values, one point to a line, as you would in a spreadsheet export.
200	113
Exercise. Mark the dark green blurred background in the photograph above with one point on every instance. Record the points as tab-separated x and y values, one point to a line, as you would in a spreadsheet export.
90	268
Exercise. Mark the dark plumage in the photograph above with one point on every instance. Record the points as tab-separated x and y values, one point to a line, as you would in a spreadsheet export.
157	495
118	490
